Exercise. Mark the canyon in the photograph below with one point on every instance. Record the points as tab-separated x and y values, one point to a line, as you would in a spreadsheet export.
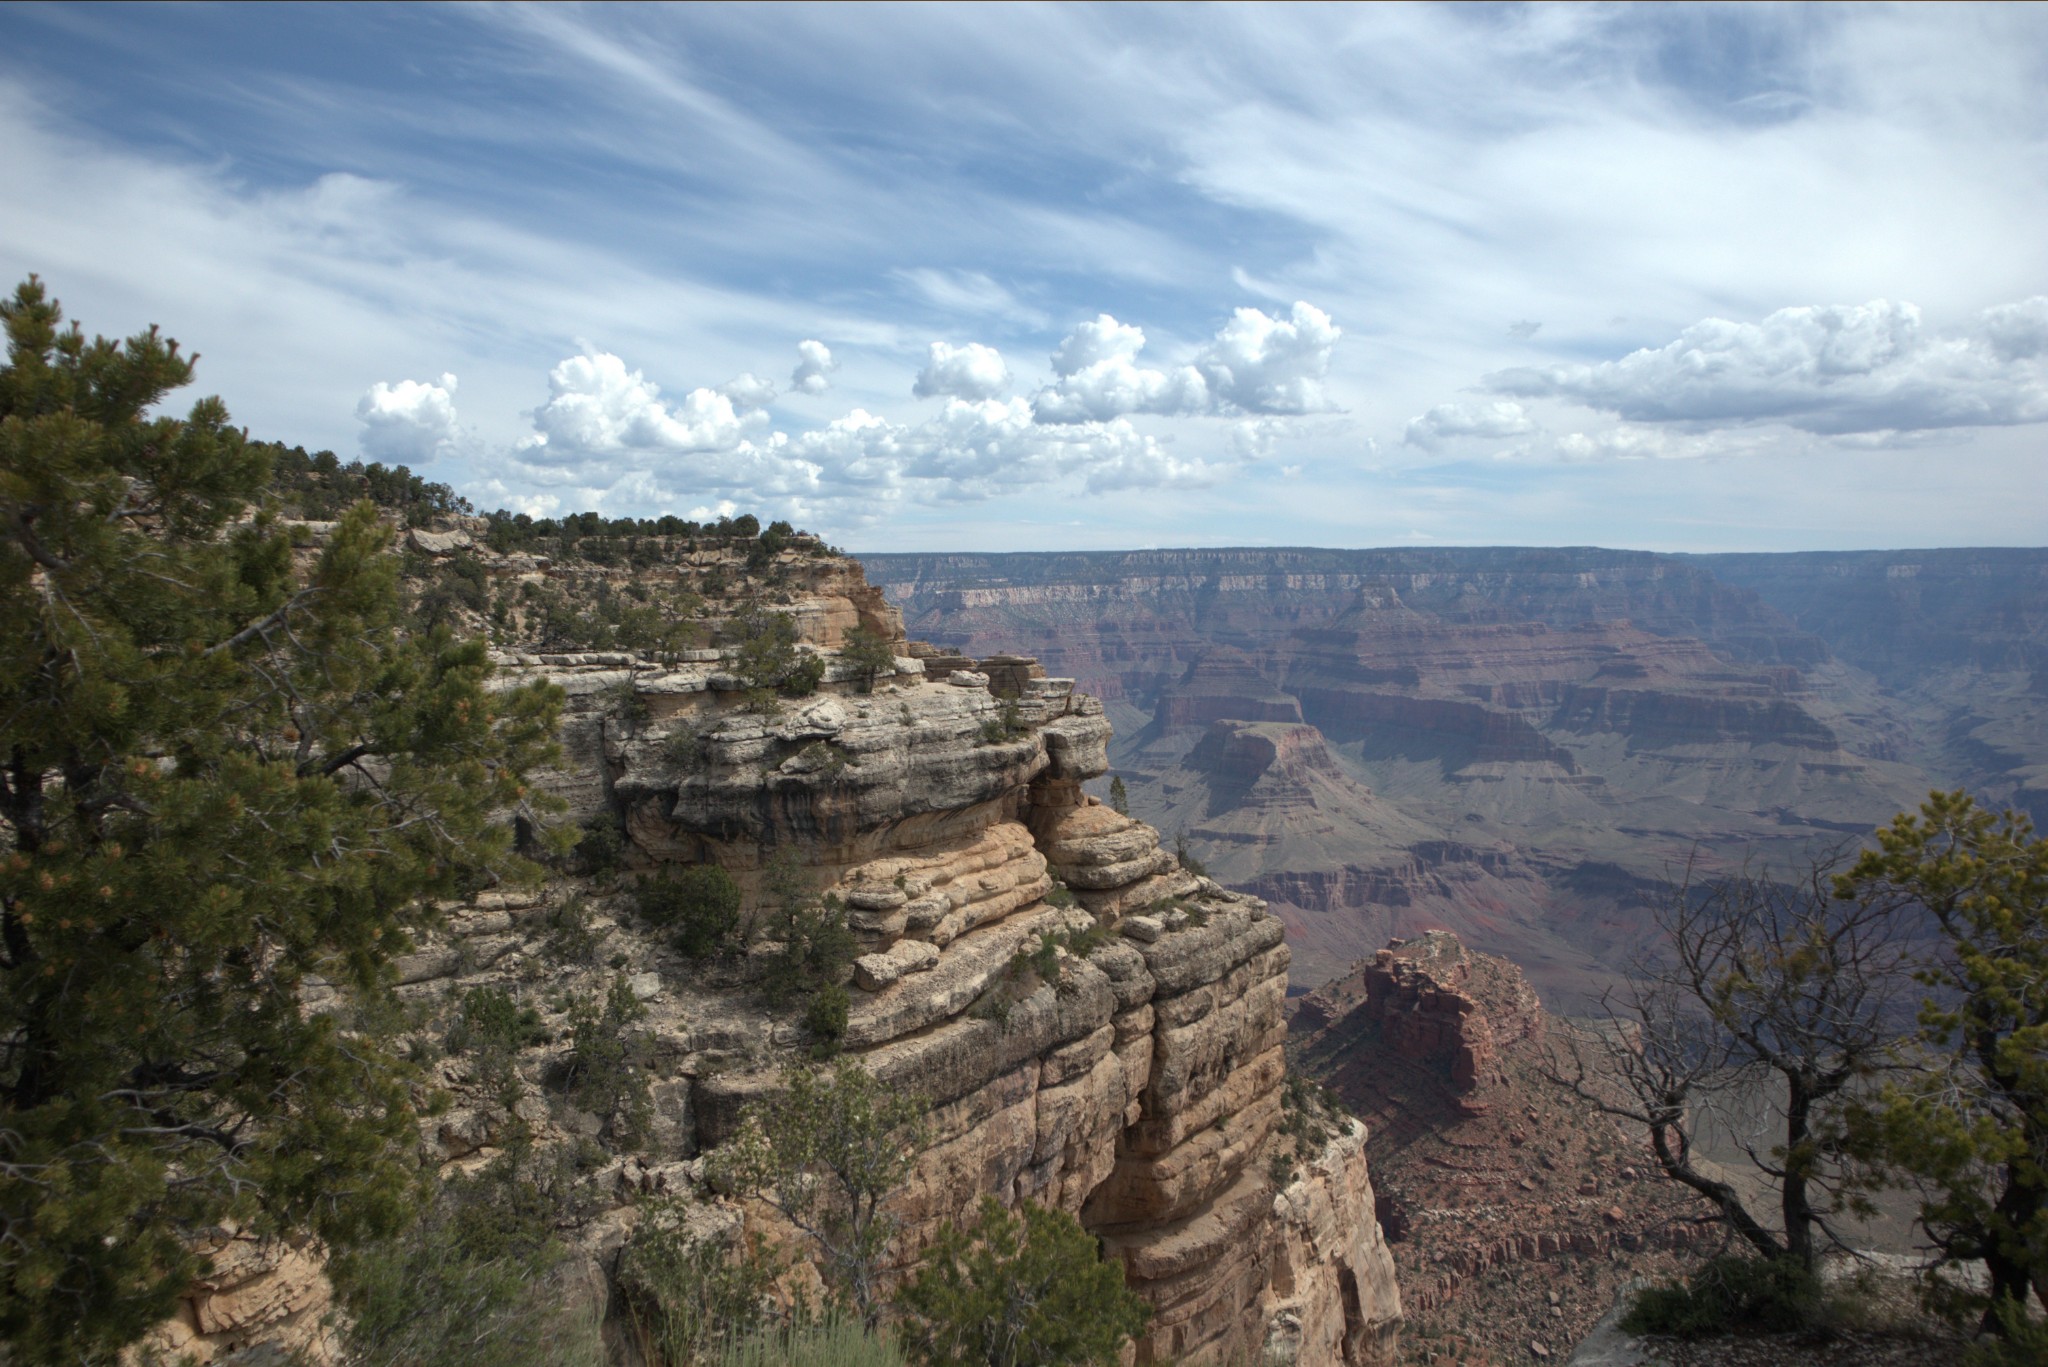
1524	746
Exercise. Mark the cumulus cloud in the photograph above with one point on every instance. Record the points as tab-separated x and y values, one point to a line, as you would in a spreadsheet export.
1500	418
1099	378
973	371
748	391
407	423
814	364
1827	369
1272	365
1255	364
598	409
976	449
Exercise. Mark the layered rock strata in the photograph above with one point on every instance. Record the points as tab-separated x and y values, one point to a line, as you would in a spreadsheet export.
1528	740
1137	1083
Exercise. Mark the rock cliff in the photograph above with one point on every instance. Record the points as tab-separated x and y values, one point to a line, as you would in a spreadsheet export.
1136	1083
1514	1210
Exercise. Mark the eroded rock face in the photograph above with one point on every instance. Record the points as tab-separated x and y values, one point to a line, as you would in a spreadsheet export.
1090	1025
258	1292
1137	1084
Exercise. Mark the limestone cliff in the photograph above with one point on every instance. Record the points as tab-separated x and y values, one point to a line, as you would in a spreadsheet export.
1138	1086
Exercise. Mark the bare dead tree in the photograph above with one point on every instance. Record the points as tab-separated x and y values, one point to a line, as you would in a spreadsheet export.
1756	987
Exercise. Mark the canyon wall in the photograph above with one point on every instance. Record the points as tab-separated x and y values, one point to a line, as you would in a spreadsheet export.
1089	1025
1519	745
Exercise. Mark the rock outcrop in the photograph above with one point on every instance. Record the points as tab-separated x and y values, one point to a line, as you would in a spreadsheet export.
1514	1209
1089	1024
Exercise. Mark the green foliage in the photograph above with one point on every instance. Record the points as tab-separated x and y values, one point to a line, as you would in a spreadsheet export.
826	1152
2019	1339
689	1296
625	702
493	1029
457	1288
683	748
1119	796
1007	725
816	947
870	654
825	1018
1060	895
319	487
603	1075
1973	1128
601	847
1186	856
767	658
1730	1294
1018	1289
570	939
700	903
223	774
1310	1116
832	1340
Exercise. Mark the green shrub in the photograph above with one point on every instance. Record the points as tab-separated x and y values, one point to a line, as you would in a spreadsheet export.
1018	1289
870	654
492	1029
1729	1294
825	1018
701	904
601	852
687	1297
1006	725
2021	1341
602	1075
570	938
834	1341
817	947
457	1289
768	660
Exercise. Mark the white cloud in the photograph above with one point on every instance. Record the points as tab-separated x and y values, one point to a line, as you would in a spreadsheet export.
1828	369
748	391
1255	364
973	371
599	410
1500	418
1272	365
407	423
814	364
1099	378
976	449
968	292
2018	332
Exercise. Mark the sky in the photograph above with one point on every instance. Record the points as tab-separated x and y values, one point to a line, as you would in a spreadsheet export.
982	277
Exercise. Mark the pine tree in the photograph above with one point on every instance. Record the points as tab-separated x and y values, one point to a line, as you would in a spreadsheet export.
1971	1123
223	772
1119	798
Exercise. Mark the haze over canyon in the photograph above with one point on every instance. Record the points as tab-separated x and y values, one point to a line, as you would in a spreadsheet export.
1520	745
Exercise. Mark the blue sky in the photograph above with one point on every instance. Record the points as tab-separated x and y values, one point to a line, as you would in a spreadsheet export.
981	277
